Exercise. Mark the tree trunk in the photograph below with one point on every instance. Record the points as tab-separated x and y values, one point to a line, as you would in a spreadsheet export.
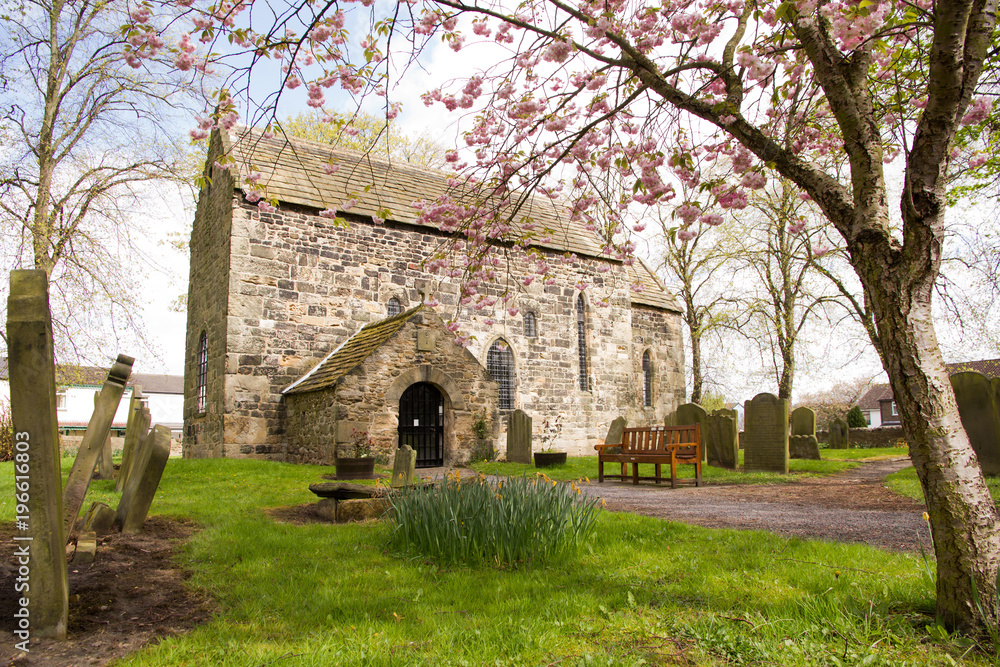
696	379
962	513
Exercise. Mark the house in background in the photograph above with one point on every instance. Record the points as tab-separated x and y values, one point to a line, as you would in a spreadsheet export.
880	409
75	387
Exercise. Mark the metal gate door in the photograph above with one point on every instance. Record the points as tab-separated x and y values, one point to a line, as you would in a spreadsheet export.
421	423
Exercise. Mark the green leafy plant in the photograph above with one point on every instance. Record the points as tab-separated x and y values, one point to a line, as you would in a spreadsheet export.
483	449
506	523
550	432
856	418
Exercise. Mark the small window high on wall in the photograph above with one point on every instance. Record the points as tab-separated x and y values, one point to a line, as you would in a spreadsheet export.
647	380
393	307
201	391
500	364
530	326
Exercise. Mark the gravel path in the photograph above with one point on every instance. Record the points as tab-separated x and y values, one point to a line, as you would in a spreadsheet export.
851	506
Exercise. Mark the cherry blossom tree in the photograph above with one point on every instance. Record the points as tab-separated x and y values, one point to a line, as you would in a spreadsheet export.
825	93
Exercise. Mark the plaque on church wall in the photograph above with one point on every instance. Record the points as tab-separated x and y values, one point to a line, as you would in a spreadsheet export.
425	341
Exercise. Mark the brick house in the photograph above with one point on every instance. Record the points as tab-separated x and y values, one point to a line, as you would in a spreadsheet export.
879	407
302	331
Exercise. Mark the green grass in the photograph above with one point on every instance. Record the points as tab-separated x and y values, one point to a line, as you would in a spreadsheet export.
640	591
578	467
871	454
905	483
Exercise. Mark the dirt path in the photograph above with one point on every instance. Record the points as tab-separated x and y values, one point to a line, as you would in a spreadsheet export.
851	506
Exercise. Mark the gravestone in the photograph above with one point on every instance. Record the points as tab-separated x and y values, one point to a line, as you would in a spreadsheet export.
722	439
803	421
99	518
692	413
978	400
615	431
98	430
105	467
136	429
37	480
765	434
403	466
150	460
519	437
803	447
840	434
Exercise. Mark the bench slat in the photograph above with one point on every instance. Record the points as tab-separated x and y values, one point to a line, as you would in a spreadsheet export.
657	445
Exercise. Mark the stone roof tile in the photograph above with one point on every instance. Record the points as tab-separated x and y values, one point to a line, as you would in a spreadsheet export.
292	171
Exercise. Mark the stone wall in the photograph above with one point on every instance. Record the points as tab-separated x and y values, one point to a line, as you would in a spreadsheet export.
208	302
367	398
865	438
300	285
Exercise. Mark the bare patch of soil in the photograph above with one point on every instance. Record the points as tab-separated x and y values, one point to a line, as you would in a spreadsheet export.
131	595
298	515
851	506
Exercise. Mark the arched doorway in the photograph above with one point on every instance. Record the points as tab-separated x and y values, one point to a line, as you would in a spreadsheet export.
421	423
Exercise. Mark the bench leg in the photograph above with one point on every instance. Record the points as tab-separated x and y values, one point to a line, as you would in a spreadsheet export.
624	471
657	472
635	474
697	473
673	473
600	471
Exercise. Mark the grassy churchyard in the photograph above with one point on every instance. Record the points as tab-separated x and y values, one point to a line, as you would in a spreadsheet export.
638	591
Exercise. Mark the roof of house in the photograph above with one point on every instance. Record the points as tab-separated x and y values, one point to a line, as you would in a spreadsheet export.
882	392
94	376
351	352
292	171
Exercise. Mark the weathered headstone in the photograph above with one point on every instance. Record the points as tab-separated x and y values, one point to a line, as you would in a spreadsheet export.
519	437
721	439
40	544
803	421
150	460
136	428
692	413
105	467
403	466
765	434
803	447
99	518
978	400
614	436
93	440
840	434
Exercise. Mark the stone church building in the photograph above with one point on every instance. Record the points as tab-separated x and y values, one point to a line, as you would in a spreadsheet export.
304	334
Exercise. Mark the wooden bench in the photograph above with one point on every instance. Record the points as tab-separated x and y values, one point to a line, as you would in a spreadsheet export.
653	444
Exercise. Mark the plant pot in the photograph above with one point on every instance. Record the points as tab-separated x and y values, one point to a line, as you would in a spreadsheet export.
549	459
352	468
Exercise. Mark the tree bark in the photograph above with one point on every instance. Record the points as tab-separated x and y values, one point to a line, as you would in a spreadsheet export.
696	379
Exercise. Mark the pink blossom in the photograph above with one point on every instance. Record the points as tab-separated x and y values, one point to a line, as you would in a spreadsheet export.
452	326
331	169
328	213
978	111
686	234
977	160
265	207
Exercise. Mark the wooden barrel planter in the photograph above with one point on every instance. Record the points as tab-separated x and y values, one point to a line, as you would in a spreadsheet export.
355	468
549	459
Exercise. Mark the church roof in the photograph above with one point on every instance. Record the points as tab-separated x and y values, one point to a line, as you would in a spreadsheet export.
352	352
293	171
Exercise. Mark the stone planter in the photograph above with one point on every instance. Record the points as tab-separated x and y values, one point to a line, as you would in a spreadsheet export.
355	468
549	459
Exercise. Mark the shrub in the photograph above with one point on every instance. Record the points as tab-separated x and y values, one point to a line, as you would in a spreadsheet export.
6	433
856	418
483	450
506	523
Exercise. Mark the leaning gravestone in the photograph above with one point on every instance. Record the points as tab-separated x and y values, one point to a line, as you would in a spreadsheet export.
519	437
403	466
840	434
802	443
37	478
978	400
692	413
615	432
105	467
150	460
722	439
93	440
803	421
136	428
765	434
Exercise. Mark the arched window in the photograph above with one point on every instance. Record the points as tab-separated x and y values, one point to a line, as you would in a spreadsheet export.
500	364
393	307
647	380
530	329
581	340
201	389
